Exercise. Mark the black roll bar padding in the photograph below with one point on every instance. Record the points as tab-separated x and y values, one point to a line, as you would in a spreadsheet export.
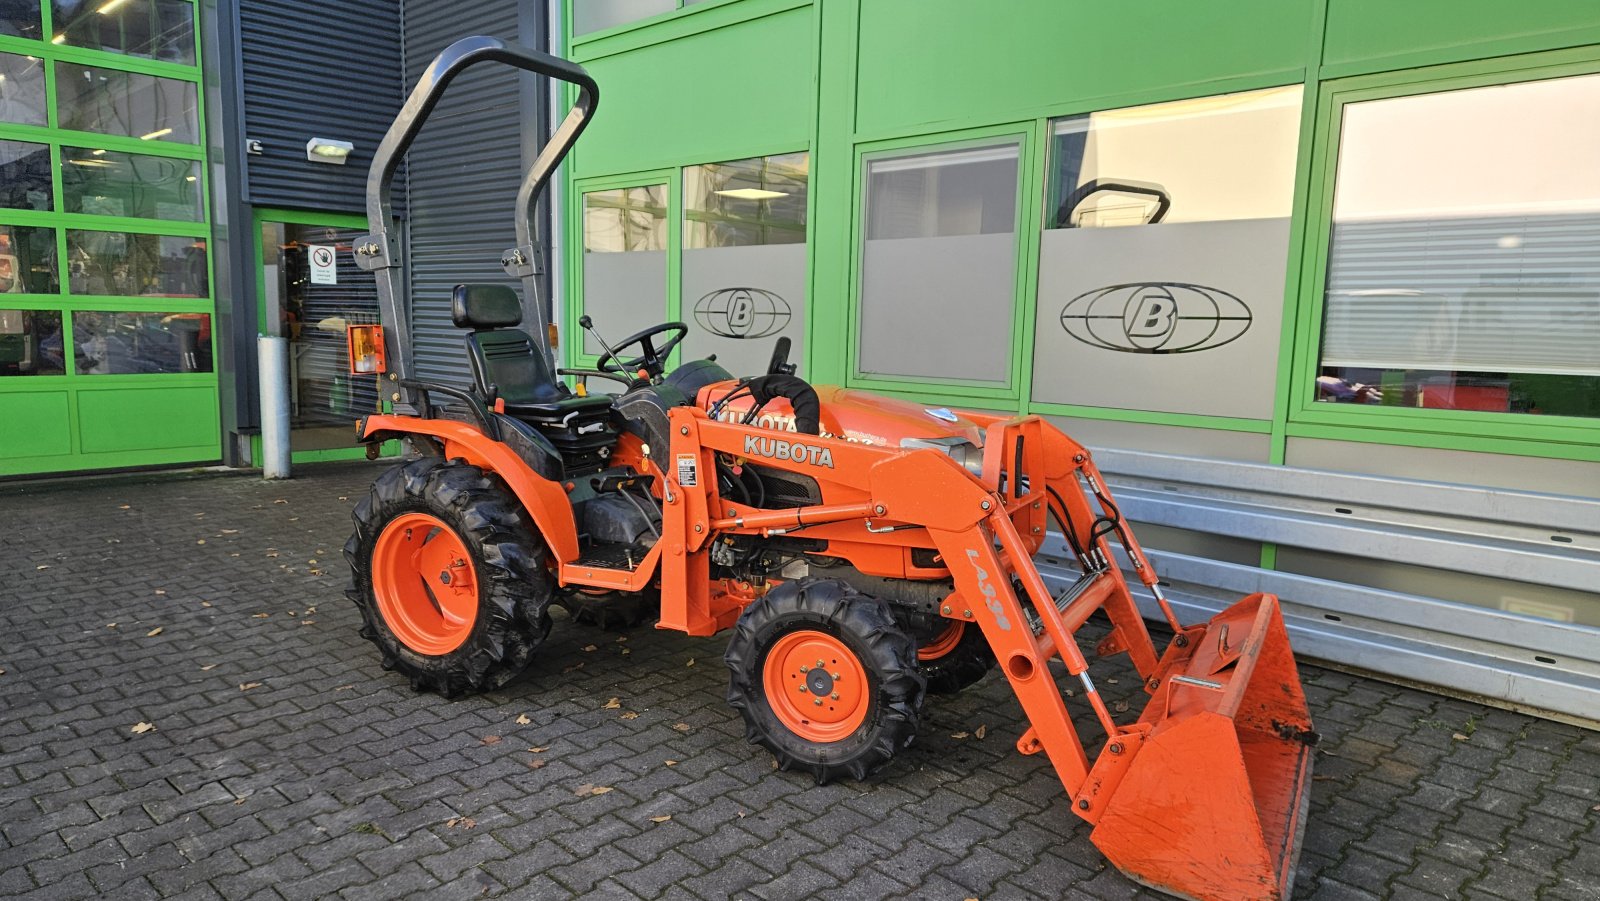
1083	192
380	253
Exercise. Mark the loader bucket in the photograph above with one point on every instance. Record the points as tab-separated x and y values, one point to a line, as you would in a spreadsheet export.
1213	803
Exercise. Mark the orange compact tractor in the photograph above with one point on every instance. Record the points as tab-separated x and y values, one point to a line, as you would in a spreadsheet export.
862	550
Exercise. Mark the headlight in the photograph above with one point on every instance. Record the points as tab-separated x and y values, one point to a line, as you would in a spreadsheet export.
964	452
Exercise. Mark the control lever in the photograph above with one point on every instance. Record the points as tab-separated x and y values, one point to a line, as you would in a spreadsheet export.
588	326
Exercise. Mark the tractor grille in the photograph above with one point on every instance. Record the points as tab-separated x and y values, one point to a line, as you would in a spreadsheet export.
786	490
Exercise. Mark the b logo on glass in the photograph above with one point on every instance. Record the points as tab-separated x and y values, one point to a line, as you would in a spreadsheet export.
747	313
1156	318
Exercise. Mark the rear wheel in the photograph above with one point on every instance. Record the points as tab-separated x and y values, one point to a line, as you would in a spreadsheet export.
952	656
450	581
824	679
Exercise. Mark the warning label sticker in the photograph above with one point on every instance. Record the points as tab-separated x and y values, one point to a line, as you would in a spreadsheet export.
688	470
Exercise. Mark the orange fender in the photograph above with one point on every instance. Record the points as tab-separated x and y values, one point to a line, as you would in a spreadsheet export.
545	501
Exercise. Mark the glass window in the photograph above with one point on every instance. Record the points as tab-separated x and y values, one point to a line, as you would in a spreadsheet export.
111	183
24	175
158	29
745	203
28	260
126	103
22	97
114	263
624	261
1204	160
594	15
20	19
1162	263
30	343
127	343
743	272
1464	262
939	264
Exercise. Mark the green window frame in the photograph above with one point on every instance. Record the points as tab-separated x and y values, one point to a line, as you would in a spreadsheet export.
1030	168
1570	438
571	334
76	455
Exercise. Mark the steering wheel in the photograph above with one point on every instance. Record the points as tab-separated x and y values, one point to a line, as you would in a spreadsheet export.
653	360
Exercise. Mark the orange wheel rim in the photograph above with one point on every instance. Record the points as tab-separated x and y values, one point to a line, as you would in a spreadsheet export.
943	643
816	686
425	584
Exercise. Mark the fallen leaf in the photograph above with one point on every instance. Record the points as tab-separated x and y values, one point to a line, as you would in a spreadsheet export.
461	823
661	819
523	720
111	625
230	531
142	728
1112	681
672	763
540	750
626	651
246	686
260	616
124	507
280	501
536	763
1120	707
1459	737
343	498
344	688
272	553
568	669
1594	809
205	603
958	735
312	561
741	814
41	566
630	715
201	541
318	572
237	801
491	739
1324	778
208	668
153	632
292	613
690	663
2	672
590	648
681	727
612	704
622	639
308	622
982	731
160	591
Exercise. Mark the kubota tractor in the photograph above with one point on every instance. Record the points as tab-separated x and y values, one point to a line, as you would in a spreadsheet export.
863	551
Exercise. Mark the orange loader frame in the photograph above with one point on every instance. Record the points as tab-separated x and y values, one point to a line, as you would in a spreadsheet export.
1203	796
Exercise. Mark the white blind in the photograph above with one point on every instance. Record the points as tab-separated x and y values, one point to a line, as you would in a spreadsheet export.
1516	294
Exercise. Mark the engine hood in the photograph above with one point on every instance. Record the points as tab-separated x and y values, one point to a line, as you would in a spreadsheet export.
858	416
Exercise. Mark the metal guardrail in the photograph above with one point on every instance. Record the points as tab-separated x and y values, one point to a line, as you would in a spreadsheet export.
1541	539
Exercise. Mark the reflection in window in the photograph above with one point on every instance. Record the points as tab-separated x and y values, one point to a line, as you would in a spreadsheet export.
594	15
158	29
745	203
1205	160
24	175
939	264
1464	265
110	183
119	264
30	343
625	219
20	19
28	260
126	103
128	343
22	97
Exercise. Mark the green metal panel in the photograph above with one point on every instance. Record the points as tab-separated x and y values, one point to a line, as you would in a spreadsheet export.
1374	35
47	432
953	61
156	418
729	93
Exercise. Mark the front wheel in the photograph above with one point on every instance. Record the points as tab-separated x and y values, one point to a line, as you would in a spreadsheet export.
824	679
450	581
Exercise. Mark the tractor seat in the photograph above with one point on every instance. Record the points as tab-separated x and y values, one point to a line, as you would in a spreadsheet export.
506	365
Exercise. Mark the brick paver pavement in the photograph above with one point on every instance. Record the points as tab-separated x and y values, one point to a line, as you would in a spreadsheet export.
285	763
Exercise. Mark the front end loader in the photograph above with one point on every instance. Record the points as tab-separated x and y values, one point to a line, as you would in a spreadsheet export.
862	551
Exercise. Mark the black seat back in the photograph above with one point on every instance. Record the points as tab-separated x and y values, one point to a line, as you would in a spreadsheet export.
502	355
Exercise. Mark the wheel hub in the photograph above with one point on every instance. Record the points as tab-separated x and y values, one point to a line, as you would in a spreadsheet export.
816	686
424	583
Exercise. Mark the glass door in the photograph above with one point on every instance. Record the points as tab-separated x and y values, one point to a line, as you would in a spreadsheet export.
312	290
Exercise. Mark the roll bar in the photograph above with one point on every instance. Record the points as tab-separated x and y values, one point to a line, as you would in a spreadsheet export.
1088	189
380	252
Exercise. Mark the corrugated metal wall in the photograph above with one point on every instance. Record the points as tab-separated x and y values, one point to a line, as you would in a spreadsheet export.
328	70
464	171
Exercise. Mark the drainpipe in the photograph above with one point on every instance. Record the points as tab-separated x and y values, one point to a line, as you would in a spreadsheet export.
273	353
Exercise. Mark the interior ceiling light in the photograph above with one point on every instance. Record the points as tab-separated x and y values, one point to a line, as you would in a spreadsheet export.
59	39
324	150
751	194
158	133
110	5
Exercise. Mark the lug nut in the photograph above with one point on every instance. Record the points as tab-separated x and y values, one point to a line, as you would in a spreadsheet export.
819	702
835	696
834	675
801	688
820	664
804	668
